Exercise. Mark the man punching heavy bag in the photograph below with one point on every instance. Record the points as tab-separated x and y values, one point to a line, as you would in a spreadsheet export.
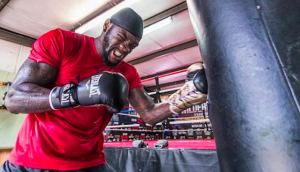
251	49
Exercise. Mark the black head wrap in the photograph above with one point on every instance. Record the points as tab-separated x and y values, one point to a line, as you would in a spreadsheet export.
130	21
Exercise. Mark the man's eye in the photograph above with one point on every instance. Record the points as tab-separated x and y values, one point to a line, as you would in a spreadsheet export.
123	39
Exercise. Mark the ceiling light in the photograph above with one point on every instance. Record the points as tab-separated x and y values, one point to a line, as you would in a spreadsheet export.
157	25
102	17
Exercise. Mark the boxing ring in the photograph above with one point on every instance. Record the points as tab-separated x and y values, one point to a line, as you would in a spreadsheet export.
161	160
173	144
193	155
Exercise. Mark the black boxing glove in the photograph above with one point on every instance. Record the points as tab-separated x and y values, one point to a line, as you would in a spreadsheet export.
200	81
107	88
190	75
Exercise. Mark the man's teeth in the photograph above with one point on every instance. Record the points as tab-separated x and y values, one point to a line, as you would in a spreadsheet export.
117	53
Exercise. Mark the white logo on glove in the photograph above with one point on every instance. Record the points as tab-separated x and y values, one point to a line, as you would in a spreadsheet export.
66	97
95	85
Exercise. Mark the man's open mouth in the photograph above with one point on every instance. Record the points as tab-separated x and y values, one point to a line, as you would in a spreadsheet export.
117	53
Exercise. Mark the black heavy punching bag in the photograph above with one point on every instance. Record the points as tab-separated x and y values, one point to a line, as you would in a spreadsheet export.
251	49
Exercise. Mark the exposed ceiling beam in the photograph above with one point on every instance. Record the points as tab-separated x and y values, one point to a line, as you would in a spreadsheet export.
3	3
167	84
169	12
16	37
110	4
163	52
28	41
13	36
164	72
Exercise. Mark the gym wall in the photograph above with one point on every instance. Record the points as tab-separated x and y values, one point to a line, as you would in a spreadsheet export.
13	55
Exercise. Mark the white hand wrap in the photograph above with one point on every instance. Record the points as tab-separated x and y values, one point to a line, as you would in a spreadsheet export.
186	97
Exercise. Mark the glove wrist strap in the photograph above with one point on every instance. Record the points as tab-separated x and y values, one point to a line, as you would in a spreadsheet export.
50	101
171	109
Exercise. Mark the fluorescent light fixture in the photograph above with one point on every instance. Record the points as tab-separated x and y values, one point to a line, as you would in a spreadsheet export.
102	17
157	25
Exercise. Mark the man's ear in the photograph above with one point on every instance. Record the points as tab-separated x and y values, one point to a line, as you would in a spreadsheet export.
107	25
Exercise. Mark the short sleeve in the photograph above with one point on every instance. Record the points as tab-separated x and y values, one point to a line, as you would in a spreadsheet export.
48	48
133	78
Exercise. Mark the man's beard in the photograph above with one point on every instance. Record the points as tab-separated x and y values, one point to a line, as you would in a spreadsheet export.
106	52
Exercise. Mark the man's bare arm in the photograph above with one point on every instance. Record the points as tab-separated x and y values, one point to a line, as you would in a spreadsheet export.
30	90
150	112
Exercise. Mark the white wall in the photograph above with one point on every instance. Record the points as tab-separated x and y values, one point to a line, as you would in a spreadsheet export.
12	57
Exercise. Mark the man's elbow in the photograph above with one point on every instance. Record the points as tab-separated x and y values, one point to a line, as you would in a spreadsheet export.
149	120
8	102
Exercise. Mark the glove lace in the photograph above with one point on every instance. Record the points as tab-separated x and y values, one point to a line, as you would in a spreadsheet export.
72	90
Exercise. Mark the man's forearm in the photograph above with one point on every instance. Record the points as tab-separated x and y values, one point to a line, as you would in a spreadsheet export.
156	114
28	98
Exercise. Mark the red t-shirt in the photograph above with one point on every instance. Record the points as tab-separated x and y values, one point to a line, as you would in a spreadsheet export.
72	138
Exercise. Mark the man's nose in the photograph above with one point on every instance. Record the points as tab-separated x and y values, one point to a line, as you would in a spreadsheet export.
125	48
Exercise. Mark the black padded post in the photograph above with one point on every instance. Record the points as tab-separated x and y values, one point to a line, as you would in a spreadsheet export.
251	49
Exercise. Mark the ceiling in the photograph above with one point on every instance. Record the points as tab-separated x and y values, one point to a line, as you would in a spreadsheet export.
168	49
